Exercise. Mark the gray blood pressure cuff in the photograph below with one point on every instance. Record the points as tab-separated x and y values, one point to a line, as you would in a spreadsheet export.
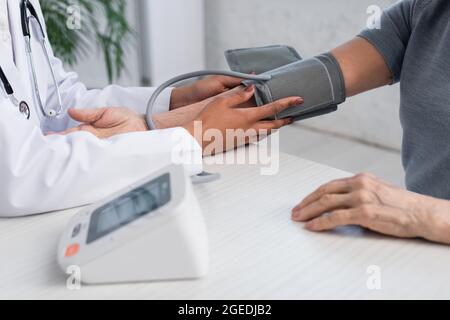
319	81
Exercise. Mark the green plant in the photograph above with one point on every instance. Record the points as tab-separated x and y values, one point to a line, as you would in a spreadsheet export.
102	23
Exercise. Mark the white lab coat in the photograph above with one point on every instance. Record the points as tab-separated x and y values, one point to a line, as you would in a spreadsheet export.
41	173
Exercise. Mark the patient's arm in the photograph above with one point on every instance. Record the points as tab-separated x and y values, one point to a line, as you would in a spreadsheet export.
362	65
326	80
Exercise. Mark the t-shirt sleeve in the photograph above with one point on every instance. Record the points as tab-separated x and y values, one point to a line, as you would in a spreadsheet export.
392	38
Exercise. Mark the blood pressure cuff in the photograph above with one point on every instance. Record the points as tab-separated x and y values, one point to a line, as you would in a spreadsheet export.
319	81
260	60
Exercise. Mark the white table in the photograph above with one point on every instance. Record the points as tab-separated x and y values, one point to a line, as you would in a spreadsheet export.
257	252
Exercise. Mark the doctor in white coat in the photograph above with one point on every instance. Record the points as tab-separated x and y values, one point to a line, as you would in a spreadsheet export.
41	171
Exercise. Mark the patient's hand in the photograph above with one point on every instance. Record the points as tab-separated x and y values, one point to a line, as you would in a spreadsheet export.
107	122
369	202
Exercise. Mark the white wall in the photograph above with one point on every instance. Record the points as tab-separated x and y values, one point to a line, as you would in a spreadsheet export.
312	27
174	38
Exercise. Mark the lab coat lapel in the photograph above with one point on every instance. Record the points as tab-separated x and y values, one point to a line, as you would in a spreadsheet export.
21	64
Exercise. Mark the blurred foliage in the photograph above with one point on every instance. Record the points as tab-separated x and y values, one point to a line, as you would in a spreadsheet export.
102	25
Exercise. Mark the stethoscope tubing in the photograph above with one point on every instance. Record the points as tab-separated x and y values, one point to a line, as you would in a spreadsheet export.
25	7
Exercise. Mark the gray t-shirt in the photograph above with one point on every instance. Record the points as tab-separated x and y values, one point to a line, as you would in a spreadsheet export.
414	39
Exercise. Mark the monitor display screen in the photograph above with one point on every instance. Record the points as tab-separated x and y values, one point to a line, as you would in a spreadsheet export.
129	207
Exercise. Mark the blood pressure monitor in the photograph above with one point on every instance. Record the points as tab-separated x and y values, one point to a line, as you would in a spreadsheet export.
152	230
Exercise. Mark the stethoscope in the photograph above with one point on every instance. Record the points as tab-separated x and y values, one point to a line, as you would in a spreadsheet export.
26	7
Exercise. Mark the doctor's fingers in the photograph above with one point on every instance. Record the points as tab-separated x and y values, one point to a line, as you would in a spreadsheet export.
80	128
89	115
235	97
266	127
272	109
226	81
64	133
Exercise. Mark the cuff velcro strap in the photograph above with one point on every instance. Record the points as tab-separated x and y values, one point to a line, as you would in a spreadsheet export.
261	59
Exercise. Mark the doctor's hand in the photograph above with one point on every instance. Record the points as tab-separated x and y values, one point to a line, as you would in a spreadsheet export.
107	122
201	90
227	122
366	201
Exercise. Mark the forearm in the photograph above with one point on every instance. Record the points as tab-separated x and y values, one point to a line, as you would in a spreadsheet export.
180	97
363	67
180	116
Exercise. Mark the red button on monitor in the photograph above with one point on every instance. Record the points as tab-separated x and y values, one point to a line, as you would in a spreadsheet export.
72	250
